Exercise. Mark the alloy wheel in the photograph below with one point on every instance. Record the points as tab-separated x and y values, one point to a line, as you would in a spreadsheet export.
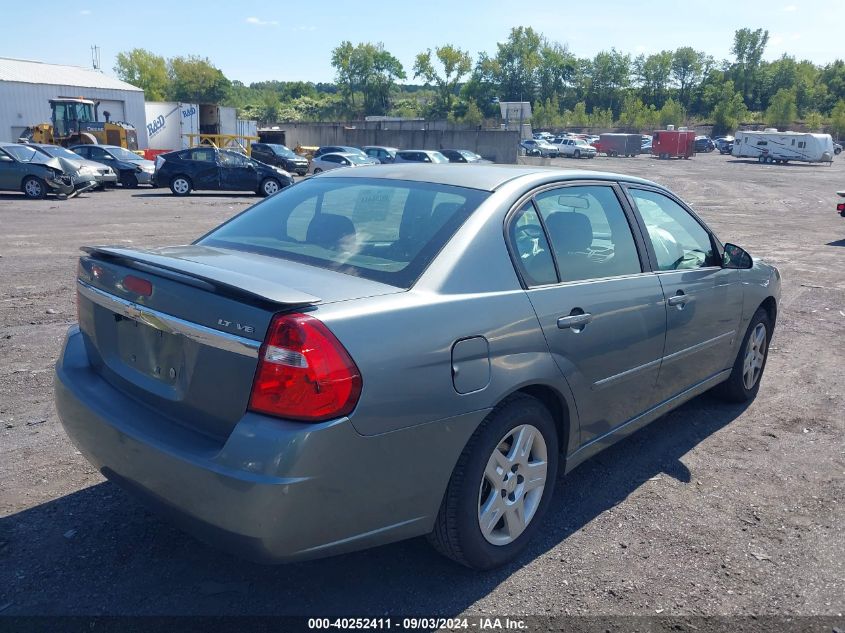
270	187
755	356
181	186
33	188
512	485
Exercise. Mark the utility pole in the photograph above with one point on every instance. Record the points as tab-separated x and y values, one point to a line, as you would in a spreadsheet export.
95	57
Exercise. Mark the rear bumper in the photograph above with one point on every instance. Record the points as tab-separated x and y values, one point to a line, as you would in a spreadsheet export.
274	491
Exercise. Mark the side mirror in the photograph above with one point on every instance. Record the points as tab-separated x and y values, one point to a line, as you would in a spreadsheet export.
736	257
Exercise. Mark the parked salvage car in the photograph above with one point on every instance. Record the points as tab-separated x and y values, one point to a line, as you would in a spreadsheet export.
383	155
704	144
338	149
576	148
385	353
217	169
419	156
539	147
464	156
724	144
85	170
326	162
837	148
24	169
278	155
133	170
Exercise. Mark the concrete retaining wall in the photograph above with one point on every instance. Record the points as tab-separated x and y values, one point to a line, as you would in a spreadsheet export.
498	146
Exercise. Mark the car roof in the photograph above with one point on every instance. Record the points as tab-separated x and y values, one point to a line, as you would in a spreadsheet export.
337	154
484	177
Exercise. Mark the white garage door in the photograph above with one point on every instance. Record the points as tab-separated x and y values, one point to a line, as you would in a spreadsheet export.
114	108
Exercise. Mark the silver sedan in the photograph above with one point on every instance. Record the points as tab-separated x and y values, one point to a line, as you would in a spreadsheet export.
380	353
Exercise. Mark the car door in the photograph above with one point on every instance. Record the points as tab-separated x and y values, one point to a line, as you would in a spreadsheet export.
703	299
201	166
10	175
599	306
237	172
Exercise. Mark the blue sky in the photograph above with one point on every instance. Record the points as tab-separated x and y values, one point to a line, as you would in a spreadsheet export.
251	40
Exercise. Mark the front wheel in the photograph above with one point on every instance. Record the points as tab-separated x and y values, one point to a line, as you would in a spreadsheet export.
501	486
577	153
317	170
744	381
128	180
34	188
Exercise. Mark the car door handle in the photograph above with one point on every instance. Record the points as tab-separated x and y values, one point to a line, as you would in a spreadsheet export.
679	300
574	320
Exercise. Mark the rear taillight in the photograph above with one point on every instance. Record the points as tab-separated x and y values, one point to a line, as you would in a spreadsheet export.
304	373
840	207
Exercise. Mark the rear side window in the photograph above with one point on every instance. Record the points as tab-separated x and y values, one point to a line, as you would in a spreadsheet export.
589	232
387	231
205	155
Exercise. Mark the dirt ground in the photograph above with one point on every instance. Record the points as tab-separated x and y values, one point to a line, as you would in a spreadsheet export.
711	510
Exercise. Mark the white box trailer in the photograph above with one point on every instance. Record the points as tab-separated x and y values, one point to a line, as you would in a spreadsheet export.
168	122
771	146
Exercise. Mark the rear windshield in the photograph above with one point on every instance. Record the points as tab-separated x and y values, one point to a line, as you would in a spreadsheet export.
384	230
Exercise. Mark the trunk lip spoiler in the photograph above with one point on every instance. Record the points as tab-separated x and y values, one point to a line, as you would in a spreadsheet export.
169	323
230	282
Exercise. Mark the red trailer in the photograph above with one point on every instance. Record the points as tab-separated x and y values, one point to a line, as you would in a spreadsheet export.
673	144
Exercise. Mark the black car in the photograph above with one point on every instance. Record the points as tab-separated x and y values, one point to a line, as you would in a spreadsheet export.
217	169
463	156
132	170
704	144
280	156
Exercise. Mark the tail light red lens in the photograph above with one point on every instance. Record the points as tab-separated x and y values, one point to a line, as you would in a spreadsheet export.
840	207
304	373
137	285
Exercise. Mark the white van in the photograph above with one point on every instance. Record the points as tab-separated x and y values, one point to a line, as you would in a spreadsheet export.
771	146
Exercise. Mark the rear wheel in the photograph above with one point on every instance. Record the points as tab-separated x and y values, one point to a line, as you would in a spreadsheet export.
180	186
501	486
761	159
317	170
34	188
744	381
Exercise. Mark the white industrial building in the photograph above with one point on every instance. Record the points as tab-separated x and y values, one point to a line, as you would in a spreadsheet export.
26	88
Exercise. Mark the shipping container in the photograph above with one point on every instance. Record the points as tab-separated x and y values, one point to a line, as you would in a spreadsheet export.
619	144
168	122
673	143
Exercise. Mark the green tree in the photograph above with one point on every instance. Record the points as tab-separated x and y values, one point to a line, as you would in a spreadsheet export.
837	118
146	70
609	75
782	110
369	69
672	113
345	74
748	49
730	110
454	65
814	121
653	74
556	70
517	62
688	67
196	80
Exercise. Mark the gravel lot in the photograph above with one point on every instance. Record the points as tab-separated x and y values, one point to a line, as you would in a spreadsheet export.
712	510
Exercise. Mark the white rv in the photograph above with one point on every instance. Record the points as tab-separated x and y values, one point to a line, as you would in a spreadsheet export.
771	146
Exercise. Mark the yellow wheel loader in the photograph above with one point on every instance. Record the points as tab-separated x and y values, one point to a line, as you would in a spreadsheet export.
74	122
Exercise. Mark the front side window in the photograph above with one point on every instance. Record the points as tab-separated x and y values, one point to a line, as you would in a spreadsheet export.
387	231
233	159
679	241
589	232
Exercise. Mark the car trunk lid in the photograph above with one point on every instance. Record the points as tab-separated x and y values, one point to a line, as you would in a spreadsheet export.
180	328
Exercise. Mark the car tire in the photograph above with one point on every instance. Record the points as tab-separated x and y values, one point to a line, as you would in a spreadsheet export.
457	532
747	372
268	187
34	188
577	153
129	181
181	186
317	170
